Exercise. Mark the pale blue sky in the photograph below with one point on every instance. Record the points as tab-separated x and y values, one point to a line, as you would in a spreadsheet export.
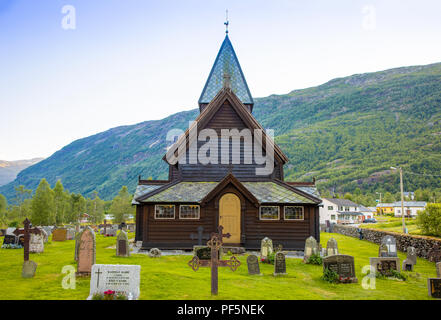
129	61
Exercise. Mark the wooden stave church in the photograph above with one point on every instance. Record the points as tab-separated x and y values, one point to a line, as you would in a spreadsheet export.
208	191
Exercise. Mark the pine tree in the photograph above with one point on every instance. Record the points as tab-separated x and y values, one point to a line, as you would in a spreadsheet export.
61	202
42	205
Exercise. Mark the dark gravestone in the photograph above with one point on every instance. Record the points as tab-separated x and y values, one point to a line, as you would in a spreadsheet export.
411	259
204	253
10	239
253	264
122	247
391	245
343	265
122	244
434	286
279	264
384	265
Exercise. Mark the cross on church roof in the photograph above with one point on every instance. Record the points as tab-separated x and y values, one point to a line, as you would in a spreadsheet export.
226	23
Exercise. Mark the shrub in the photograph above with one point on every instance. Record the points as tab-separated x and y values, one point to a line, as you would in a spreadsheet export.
429	220
330	276
269	259
315	259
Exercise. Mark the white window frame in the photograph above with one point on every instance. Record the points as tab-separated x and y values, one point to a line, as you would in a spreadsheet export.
266	219
284	213
330	208
174	212
186	205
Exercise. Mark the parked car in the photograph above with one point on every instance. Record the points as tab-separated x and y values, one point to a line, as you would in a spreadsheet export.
371	220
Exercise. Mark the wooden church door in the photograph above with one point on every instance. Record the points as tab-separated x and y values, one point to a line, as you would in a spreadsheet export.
229	216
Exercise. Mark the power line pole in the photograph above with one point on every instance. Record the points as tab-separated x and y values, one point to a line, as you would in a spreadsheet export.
402	197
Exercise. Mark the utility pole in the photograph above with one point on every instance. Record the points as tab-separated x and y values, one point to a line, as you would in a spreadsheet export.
402	197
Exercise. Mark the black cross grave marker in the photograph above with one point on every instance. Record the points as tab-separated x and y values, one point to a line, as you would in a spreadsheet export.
98	278
200	235
27	230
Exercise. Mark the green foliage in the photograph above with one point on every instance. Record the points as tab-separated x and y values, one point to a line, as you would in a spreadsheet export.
121	207
330	276
95	208
3	206
43	205
270	258
315	259
98	296
429	220
398	275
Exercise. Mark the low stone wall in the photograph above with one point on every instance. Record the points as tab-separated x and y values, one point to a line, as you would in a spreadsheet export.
422	244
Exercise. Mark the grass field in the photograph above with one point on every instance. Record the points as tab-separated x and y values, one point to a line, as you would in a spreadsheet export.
169	277
394	224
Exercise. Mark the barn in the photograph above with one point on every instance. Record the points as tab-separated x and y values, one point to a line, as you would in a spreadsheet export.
218	176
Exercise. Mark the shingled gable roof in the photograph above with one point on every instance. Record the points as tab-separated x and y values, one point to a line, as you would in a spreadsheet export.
230	179
226	94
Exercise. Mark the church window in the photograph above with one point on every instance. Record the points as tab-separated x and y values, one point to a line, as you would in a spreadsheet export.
164	211
269	213
189	212
294	213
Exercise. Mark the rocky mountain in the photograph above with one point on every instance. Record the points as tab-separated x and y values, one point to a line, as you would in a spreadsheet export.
10	169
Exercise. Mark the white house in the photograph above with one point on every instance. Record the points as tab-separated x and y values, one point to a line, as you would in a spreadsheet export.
340	211
411	208
367	212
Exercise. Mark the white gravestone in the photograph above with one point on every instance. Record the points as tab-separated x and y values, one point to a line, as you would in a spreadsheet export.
116	277
36	243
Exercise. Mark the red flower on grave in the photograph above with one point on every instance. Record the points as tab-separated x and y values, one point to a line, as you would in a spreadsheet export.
109	292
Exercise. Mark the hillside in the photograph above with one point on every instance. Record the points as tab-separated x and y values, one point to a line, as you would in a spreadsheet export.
346	132
10	169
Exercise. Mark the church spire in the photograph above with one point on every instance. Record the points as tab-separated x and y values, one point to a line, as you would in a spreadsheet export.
226	66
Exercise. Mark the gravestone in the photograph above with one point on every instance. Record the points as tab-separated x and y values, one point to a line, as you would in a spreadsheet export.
438	269
36	242
155	253
266	248
384	265
391	245
59	234
10	239
331	247
382	250
434	254
204	252
70	234
112	232
45	234
253	265
311	248
200	235
86	252
122	244
343	265
434	286
29	269
279	264
119	278
410	260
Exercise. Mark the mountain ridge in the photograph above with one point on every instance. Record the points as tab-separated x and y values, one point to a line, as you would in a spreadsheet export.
359	119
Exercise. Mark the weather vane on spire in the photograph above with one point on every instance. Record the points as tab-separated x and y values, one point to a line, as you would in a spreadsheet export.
226	23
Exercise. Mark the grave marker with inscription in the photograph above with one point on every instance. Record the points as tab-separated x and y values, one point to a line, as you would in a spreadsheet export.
311	248
390	244
343	265
86	252
410	260
36	243
384	265
59	234
434	286
253	265
279	264
122	244
266	248
119	278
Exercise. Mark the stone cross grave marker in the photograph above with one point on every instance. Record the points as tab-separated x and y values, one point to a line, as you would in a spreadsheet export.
434	286
116	277
122	244
411	259
200	235
253	265
29	267
343	265
384	265
59	234
279	264
215	243
331	247
311	248
391	245
86	252
266	248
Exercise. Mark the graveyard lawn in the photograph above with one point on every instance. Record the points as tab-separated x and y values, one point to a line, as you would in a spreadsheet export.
169	277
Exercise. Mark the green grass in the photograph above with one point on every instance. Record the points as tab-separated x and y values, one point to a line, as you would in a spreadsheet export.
169	277
395	225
